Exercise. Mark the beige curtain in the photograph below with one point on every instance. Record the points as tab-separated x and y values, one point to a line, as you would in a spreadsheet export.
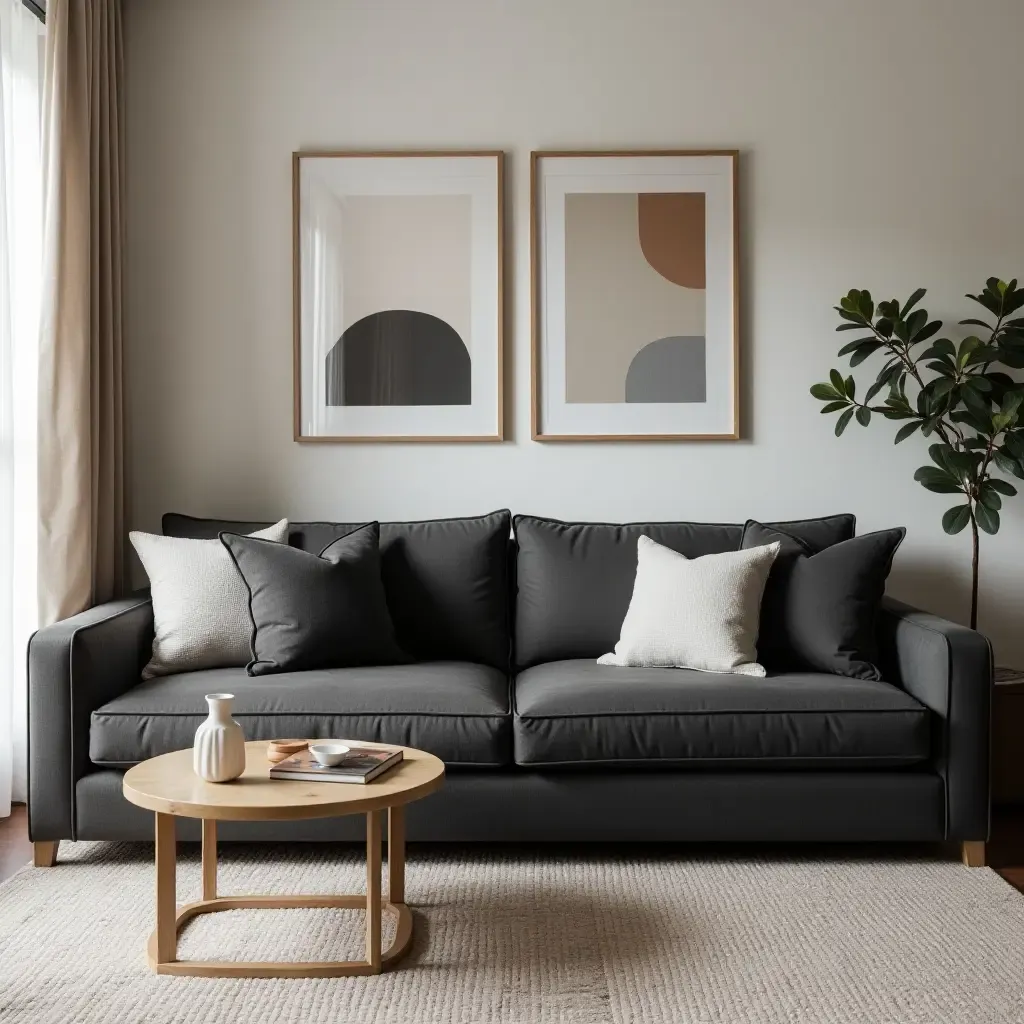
81	437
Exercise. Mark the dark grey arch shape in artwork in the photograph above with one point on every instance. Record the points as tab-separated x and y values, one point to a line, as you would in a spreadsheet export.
399	357
669	370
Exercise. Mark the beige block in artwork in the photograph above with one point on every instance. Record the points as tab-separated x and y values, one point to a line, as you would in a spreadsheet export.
615	301
408	252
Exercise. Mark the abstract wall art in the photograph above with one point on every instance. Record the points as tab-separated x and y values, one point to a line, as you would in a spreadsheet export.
398	296
634	296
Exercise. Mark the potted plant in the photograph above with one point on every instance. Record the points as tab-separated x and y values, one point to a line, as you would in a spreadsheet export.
957	394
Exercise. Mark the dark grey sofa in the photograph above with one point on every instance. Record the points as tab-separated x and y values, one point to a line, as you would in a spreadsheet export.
541	743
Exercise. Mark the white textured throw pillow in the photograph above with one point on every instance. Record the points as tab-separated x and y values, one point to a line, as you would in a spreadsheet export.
698	613
200	602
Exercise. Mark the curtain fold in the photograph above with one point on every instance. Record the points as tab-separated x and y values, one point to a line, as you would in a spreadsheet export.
81	427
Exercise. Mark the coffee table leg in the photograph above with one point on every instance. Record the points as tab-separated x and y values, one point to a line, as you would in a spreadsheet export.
373	838
396	854
209	859
166	899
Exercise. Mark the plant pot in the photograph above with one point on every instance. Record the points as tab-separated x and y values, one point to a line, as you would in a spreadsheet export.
218	754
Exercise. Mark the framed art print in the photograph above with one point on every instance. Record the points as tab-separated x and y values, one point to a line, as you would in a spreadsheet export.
635	296
398	296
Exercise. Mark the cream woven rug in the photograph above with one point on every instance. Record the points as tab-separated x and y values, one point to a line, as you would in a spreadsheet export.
532	937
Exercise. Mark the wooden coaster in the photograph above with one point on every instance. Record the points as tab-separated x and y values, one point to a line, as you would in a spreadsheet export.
278	750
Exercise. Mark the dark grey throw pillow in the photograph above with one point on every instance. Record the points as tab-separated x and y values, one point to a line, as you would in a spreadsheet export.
315	611
820	609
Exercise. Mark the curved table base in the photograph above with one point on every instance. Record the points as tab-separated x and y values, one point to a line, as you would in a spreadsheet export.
283	969
162	949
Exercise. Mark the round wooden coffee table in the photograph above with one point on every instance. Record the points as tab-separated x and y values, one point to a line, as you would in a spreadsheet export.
168	786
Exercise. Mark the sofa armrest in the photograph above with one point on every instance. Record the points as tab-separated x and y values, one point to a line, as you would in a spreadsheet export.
74	666
948	668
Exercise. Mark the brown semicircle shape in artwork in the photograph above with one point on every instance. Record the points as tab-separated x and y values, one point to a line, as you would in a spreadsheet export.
672	229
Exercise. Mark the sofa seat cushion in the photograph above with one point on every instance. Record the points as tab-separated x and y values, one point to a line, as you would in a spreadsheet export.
572	713
456	710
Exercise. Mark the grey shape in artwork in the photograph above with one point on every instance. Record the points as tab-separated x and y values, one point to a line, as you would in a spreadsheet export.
669	370
399	357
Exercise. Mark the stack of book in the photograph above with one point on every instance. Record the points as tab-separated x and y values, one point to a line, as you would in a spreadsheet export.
360	765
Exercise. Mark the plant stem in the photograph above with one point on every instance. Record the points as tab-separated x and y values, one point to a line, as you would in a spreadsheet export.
974	570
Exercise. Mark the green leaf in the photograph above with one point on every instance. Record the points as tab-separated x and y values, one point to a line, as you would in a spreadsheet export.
1001	486
850	388
1015	444
977	382
899	328
833	407
905	431
1008	464
956	518
989	498
843	421
850	346
988	519
850	327
956	464
939	454
986	299
1011	402
863	351
876	387
967	346
970	322
916	296
916	322
927	331
825	392
837	381
863	415
854	318
865	305
977	405
982	424
944	346
983	354
937	480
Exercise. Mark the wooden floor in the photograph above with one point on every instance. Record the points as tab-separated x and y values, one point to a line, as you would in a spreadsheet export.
1005	851
15	849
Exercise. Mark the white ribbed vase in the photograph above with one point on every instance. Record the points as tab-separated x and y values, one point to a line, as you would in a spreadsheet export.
218	754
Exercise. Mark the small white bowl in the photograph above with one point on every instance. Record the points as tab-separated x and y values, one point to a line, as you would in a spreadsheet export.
329	754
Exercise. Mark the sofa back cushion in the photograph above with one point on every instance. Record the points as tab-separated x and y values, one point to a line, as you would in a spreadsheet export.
446	580
575	579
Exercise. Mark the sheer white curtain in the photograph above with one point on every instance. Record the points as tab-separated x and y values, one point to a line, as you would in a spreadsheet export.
21	66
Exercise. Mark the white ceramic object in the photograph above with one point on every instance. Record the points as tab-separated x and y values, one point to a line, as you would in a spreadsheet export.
329	754
218	754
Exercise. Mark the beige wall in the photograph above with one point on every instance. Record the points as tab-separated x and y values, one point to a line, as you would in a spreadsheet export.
881	147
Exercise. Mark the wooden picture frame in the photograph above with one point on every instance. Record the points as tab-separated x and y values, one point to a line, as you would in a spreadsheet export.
411	209
611	180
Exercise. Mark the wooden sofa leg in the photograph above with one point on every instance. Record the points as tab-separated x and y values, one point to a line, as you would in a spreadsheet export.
44	854
973	854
